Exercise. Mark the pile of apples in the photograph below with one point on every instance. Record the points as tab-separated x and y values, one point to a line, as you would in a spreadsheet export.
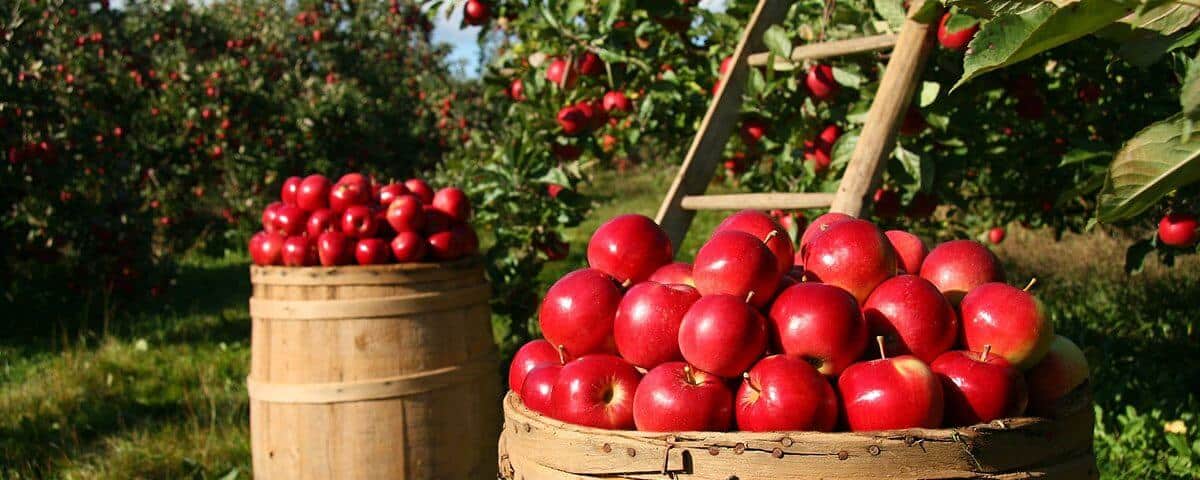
359	221
858	329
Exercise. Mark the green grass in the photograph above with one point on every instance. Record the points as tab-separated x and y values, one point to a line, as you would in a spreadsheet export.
162	394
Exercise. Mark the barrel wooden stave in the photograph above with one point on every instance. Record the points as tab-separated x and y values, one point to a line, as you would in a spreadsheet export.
437	426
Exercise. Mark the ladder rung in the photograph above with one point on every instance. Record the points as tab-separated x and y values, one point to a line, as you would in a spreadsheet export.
757	201
835	48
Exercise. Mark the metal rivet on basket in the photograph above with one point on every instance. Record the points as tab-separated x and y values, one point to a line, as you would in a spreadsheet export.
873	450
739	448
607	448
777	452
714	451
842	455
787	441
631	452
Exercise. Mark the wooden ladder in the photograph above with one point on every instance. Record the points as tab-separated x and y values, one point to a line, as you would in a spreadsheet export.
910	48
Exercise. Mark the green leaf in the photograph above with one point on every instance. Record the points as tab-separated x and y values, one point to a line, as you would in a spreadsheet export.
755	83
960	21
614	11
1013	37
1079	155
1165	19
1150	165
842	150
929	12
777	42
1135	256
1189	95
892	11
847	78
929	93
993	8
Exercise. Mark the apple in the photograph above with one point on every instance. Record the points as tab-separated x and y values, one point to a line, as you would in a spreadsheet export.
762	226
357	178
1012	321
996	235
577	312
408	247
590	64
291	220
270	217
615	102
738	264
313	193
1061	371
476	12
821	324
405	214
912	317
819	225
979	387
910	250
320	221
290	188
722	335
298	252
453	202
820	82
957	40
537	391
851	254
531	355
957	266
674	397
444	246
646	325
436	221
334	248
267	249
390	192
828	137
349	194
560	73
596	391
1178	230
679	273
372	251
421	189
359	221
516	90
753	130
785	392
467	239
572	120
891	393
629	248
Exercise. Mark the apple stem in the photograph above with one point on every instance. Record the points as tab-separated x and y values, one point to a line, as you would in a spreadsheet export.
879	340
687	374
986	350
771	235
1029	285
562	354
746	377
626	283
749	296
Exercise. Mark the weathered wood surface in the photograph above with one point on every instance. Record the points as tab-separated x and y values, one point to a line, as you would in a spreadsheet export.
832	48
757	201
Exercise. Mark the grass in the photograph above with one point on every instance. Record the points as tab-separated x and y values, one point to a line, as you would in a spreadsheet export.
162	394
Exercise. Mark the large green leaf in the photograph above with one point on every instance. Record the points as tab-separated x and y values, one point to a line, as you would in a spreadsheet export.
1189	95
1165	19
992	8
1013	37
1150	165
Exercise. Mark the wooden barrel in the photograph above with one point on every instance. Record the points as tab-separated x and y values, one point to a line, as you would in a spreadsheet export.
381	372
535	447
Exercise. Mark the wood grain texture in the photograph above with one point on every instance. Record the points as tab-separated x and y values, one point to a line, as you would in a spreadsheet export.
757	201
535	447
896	87
833	48
384	372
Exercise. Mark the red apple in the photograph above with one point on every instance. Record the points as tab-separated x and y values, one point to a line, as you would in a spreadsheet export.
291	220
436	221
738	264
578	310
674	397
531	355
421	189
476	12
821	83
785	392
372	251
1012	321
268	249
590	64
467	239
646	325
572	120
270	217
753	129
979	387
1061	371
1178	230
406	214
996	235
851	254
560	73
359	221
828	137
679	273
313	193
390	192
453	202
956	40
723	335
357	178
290	188
322	220
349	194
629	248
763	227
537	391
912	316
957	266
298	252
615	102
891	393
819	323
819	225
408	247
596	391
516	90
444	246
910	250
334	248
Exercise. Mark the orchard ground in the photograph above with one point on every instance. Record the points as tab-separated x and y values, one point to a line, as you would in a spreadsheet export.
163	396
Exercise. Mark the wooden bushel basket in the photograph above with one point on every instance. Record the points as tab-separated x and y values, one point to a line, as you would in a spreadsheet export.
381	372
536	447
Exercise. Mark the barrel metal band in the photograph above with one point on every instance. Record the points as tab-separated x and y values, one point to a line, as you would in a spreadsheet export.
377	389
369	307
